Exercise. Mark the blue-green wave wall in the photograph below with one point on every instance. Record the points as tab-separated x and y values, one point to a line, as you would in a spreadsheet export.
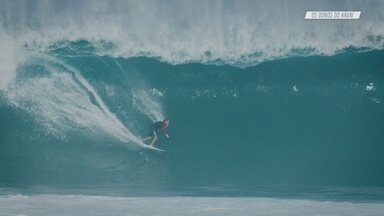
298	121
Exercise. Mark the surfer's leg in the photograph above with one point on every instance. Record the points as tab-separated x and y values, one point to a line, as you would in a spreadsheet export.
154	139
147	138
150	136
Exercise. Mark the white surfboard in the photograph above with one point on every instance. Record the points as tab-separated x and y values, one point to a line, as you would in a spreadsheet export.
151	147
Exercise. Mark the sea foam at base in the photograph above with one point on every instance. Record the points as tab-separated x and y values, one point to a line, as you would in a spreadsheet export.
63	205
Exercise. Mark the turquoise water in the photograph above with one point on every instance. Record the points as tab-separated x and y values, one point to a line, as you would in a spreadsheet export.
262	116
277	123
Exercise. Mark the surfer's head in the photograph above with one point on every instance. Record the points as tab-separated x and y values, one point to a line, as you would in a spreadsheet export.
166	121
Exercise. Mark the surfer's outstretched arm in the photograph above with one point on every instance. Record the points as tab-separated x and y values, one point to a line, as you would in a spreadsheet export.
165	132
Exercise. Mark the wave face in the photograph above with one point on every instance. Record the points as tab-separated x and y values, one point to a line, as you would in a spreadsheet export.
309	121
80	85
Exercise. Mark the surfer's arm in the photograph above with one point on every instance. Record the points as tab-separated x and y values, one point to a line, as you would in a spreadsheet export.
165	133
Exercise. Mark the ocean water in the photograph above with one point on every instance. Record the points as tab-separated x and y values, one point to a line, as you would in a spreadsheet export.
270	114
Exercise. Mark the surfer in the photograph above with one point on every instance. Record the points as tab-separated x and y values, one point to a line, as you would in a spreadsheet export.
154	129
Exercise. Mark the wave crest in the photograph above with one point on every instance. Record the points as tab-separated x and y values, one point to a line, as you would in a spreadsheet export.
221	32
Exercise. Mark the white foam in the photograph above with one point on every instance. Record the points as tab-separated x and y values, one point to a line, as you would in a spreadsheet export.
11	55
64	100
370	87
233	32
62	205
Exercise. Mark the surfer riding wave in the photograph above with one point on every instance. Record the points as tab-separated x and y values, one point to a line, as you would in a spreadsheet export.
155	128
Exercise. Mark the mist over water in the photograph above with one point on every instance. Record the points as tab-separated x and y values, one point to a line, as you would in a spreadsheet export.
261	101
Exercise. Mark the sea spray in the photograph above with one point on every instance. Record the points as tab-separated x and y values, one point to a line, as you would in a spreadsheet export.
65	100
